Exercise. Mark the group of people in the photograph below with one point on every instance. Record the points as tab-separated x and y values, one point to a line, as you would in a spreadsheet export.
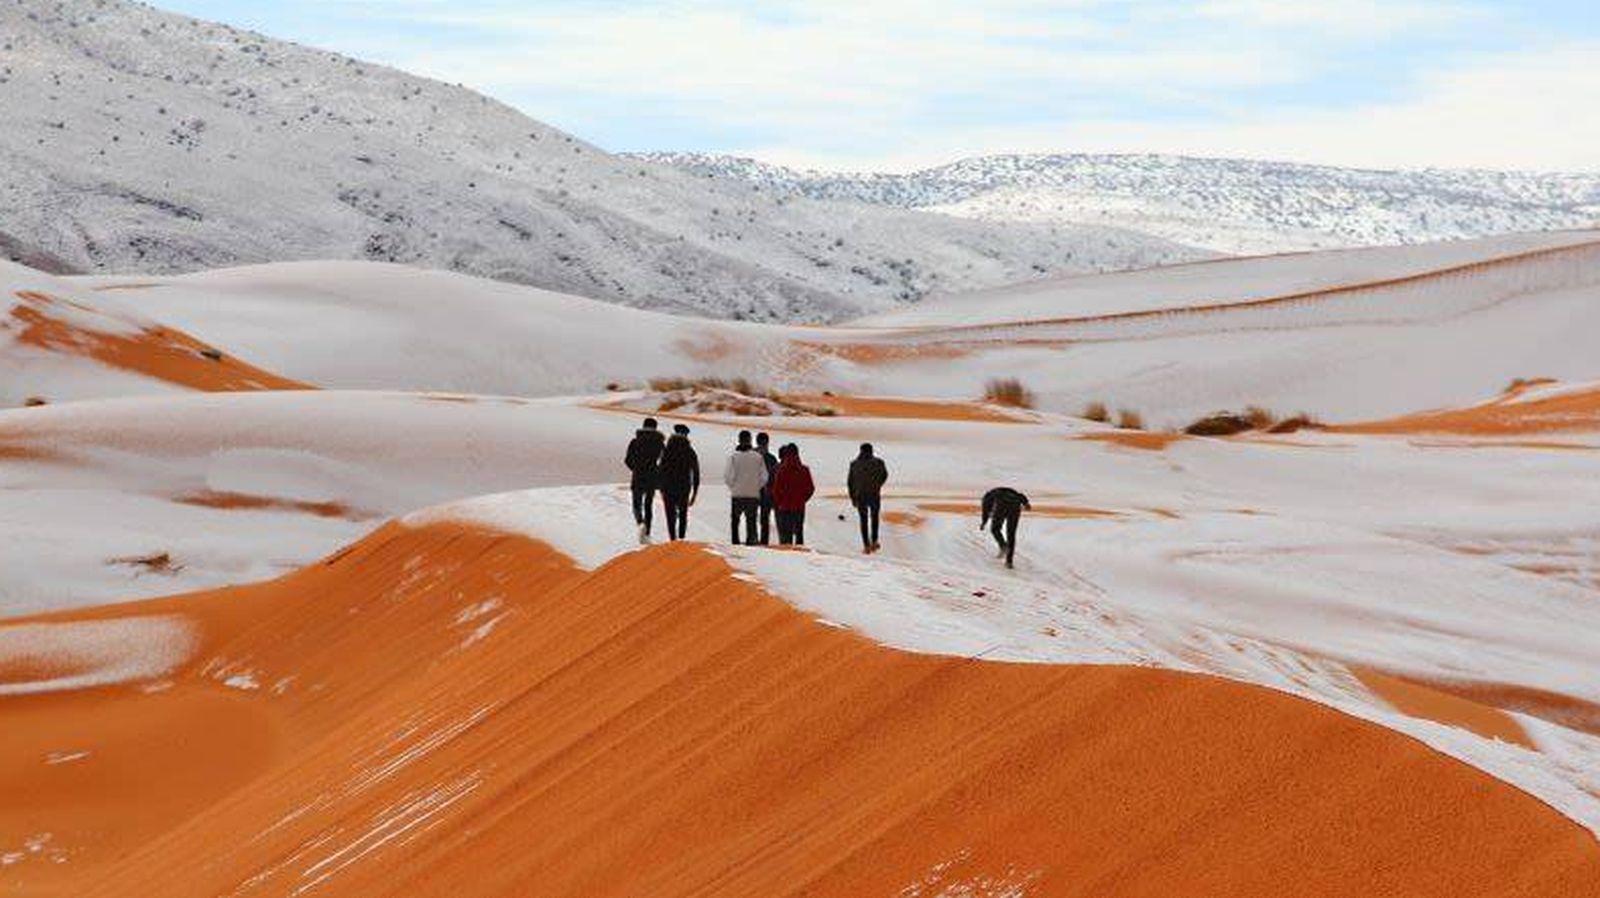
764	488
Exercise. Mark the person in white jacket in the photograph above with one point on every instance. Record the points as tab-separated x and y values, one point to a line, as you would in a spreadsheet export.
745	475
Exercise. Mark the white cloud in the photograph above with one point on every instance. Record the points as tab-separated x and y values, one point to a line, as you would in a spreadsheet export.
811	66
903	83
1349	18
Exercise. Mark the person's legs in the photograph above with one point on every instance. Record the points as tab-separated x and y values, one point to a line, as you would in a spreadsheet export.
1011	535
766	520
733	518
649	504
797	528
670	506
866	534
683	517
877	506
997	530
784	531
638	499
751	507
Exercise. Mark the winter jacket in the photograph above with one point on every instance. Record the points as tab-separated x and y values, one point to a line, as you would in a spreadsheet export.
745	474
679	472
772	469
1002	502
643	453
868	474
792	485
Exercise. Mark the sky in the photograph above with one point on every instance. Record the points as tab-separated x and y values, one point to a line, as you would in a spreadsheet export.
894	85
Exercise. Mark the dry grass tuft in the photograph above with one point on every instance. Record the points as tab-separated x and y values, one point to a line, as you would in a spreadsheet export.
1097	411
1008	391
1523	383
1128	419
1253	418
1219	424
1296	422
684	391
1259	418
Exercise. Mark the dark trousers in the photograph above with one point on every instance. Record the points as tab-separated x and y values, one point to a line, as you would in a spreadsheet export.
748	509
766	517
1008	539
791	527
643	505
867	509
677	509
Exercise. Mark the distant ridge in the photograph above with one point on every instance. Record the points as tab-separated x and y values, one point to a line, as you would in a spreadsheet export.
139	141
1228	205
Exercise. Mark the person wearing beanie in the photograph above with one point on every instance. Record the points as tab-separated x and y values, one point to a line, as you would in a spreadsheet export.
644	454
678	478
765	530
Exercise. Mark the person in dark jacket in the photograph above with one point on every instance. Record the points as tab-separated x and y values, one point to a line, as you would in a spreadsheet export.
644	453
1005	506
678	478
792	488
762	442
868	474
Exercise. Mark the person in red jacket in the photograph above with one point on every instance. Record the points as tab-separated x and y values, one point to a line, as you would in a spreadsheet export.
792	488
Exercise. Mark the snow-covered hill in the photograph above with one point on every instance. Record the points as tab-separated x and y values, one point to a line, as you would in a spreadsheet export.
1228	205
136	140
1338	334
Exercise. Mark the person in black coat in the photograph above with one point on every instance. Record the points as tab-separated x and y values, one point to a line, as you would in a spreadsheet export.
644	454
1005	506
763	442
678	478
868	474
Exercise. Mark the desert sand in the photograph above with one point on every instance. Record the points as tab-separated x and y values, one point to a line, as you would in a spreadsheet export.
377	622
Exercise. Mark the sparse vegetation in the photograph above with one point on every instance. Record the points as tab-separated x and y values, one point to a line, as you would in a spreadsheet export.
1523	383
735	385
739	397
1297	422
1008	391
1128	419
1259	418
1219	424
34	402
1097	411
155	563
1253	418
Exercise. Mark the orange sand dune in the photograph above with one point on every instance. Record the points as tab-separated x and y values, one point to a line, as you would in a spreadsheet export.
159	352
450	712
1510	415
1443	707
1576	250
1563	710
927	410
1134	439
1040	509
248	501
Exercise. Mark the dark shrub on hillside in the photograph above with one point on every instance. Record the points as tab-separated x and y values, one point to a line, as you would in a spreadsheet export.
1301	421
1220	424
1008	391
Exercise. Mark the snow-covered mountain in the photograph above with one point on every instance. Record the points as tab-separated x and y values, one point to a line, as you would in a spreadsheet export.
1228	205
137	140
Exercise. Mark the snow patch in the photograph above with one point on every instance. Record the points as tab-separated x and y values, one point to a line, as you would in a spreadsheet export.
87	654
